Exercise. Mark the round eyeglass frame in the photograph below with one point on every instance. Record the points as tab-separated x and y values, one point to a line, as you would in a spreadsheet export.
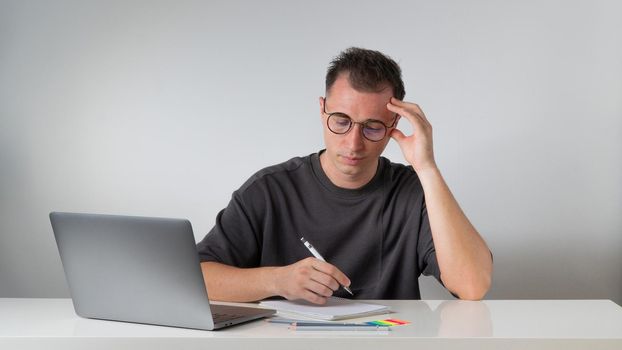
362	124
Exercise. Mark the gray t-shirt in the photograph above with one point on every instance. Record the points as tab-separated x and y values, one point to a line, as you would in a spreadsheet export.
378	235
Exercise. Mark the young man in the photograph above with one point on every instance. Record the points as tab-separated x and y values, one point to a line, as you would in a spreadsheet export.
379	225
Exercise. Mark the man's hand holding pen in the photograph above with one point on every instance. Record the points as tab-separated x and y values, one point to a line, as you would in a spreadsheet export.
310	279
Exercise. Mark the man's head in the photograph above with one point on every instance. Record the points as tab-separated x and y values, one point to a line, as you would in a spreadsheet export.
359	84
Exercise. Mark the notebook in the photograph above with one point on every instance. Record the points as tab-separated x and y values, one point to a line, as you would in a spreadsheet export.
334	309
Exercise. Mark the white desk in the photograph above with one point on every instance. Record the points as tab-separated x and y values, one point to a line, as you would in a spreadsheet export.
506	324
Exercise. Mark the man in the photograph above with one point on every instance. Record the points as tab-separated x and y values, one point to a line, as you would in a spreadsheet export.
379	225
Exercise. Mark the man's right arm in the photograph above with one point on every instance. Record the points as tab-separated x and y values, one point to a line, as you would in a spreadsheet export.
309	279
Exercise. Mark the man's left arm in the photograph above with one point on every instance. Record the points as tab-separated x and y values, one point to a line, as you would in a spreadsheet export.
463	257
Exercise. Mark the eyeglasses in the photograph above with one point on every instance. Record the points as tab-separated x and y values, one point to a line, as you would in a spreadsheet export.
372	129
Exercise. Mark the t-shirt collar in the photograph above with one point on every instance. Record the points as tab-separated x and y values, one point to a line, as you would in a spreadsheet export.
321	176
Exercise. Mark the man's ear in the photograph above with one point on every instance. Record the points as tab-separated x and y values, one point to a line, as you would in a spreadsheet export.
322	100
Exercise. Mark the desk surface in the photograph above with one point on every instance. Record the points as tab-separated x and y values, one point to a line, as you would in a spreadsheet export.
50	323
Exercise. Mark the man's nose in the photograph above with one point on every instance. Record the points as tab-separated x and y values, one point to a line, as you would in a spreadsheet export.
354	138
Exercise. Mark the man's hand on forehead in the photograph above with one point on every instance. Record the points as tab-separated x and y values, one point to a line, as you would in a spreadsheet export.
417	148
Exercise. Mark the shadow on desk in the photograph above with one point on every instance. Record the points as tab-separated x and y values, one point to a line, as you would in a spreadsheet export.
461	318
452	319
86	327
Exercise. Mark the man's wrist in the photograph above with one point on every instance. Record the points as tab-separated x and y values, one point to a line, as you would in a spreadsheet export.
271	277
427	172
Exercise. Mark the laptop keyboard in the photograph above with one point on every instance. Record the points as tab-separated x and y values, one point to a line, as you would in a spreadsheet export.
219	317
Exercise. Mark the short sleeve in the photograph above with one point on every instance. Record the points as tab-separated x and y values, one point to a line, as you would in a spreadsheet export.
426	253
234	238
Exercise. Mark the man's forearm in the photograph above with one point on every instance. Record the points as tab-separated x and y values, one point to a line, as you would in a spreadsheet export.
463	257
228	283
311	279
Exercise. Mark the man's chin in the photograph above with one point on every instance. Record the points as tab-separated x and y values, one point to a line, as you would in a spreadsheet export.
350	170
351	162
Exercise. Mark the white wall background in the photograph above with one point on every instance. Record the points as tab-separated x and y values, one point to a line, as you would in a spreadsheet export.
163	108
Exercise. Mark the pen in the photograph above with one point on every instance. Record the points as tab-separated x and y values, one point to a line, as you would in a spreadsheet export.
294	322
291	320
333	324
317	323
317	255
343	329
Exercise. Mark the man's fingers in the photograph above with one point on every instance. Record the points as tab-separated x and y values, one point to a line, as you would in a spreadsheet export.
318	288
332	271
411	111
324	279
398	135
408	106
313	298
414	118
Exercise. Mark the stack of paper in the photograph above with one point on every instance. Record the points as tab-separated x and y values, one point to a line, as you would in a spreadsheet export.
334	309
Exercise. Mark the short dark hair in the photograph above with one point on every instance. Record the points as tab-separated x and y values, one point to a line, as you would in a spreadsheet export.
368	70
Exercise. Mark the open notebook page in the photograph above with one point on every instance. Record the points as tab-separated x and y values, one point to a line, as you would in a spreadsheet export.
334	309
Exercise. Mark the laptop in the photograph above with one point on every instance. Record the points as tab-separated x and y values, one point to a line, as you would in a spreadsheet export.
139	269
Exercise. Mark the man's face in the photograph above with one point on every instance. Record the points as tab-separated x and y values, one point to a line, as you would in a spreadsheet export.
350	159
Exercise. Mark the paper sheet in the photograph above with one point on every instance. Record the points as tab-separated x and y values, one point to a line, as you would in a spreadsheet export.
334	309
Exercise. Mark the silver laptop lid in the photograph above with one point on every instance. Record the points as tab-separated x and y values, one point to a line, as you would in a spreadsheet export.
133	269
